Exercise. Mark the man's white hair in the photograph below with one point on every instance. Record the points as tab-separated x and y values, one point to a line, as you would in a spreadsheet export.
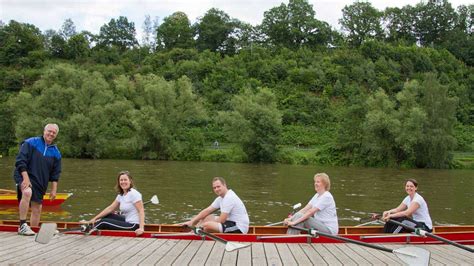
52	125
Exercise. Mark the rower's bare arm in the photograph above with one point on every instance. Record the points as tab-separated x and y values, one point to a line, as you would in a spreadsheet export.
223	217
203	214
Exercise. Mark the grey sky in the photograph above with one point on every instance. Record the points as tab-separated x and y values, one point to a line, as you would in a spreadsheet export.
92	14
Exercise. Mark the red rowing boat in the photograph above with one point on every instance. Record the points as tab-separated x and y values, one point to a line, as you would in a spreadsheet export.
277	234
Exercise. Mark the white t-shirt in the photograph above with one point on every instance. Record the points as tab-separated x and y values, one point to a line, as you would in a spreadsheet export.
421	214
327	214
232	205
127	205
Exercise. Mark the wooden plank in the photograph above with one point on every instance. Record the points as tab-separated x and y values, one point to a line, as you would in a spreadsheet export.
313	255
19	253
51	250
82	242
358	259
455	251
12	247
133	246
174	253
151	246
90	244
285	254
103	255
258	254
229	258
271	252
202	254
159	252
328	257
244	257
375	257
300	256
444	258
217	253
188	253
343	258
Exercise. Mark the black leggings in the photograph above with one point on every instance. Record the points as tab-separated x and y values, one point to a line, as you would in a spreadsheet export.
114	222
394	228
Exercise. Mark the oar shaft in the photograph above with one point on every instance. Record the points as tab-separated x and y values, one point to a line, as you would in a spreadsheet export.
200	231
344	239
442	239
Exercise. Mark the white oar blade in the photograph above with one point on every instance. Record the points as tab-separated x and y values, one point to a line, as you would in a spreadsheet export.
46	233
296	206
231	246
413	255
155	199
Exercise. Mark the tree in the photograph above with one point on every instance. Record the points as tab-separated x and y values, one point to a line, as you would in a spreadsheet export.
438	141
213	30
434	21
119	33
78	47
149	33
361	21
58	46
68	29
168	113
254	123
400	24
175	32
17	40
294	25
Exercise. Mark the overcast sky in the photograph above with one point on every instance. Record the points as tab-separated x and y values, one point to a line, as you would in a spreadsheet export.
90	15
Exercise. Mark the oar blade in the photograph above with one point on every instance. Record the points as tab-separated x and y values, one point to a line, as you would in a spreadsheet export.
231	246
155	200
413	255
46	233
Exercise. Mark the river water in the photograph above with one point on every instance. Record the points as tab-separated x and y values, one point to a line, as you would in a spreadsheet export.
268	190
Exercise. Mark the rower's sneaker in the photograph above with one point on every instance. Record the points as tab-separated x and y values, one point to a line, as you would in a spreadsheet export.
25	230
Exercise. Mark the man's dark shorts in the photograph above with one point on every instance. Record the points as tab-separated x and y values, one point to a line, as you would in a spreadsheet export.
230	227
36	196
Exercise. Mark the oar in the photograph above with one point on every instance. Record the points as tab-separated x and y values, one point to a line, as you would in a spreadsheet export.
48	230
229	245
422	232
153	200
409	255
295	207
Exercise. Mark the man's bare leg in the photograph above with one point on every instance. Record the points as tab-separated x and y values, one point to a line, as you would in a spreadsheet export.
35	213
25	202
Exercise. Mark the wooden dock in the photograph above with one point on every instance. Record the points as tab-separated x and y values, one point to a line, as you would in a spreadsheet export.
94	250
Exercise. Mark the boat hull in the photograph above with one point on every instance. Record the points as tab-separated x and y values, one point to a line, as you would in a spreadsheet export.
11	199
276	234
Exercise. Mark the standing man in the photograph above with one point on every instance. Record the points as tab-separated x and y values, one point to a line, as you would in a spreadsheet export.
37	164
233	218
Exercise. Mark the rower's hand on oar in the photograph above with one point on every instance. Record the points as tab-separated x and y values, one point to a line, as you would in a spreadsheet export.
91	221
288	222
186	224
375	216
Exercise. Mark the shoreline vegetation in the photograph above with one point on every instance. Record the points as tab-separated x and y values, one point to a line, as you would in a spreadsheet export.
392	88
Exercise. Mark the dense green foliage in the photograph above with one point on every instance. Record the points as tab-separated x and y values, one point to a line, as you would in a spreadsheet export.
395	88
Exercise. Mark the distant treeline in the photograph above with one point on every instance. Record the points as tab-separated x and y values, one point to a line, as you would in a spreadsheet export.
393	88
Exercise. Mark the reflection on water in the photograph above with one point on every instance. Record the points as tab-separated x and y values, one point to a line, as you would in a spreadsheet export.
48	213
269	191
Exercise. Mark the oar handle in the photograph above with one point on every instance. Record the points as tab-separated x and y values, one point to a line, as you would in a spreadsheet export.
200	231
423	232
344	239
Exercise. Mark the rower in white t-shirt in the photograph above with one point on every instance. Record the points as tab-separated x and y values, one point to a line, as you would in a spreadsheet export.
413	211
320	212
233	217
